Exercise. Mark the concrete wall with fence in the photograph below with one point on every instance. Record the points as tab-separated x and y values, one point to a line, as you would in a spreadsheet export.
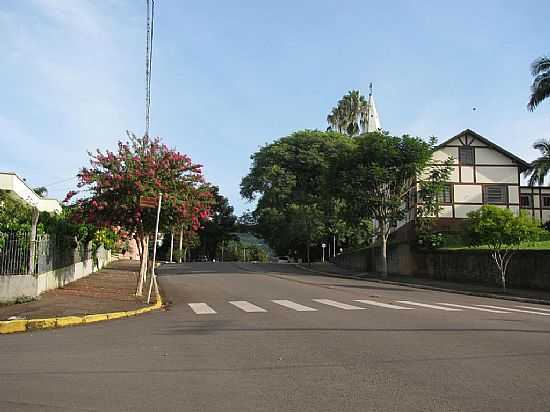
53	264
528	269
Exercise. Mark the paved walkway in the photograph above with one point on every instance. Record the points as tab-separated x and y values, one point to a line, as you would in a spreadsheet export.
109	290
456	286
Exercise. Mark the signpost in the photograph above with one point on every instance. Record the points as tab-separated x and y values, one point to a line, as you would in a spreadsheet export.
148	202
324	245
152	202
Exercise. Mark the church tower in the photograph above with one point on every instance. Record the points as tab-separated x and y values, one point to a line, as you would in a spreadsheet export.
373	120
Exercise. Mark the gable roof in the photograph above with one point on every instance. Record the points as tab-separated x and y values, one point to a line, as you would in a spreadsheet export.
521	163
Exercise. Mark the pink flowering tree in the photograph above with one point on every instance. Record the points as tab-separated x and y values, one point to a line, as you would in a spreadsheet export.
111	186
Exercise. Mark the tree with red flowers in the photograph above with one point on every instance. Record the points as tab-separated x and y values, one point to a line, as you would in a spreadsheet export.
115	180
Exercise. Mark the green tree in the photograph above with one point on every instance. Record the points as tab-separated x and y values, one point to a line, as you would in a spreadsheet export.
502	232
539	168
220	226
540	89
15	215
41	191
293	181
377	176
350	114
115	181
431	186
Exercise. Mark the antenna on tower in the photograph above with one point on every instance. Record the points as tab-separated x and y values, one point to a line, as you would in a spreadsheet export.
370	89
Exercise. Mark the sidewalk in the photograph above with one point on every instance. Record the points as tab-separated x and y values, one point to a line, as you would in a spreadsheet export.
523	295
109	290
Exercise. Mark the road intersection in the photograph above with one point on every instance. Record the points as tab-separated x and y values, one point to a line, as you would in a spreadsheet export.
272	337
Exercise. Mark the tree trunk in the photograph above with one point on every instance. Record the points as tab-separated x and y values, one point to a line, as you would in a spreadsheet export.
171	244
384	248
181	246
32	252
502	266
308	259
143	265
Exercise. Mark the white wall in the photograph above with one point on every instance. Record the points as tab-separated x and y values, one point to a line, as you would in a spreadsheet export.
468	193
18	188
490	156
16	286
497	174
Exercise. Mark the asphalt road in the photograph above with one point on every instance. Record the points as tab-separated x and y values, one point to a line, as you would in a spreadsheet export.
256	337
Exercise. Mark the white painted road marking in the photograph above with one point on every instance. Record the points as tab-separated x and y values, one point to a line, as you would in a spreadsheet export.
516	310
383	305
336	304
473	308
247	306
291	305
201	308
425	305
532	308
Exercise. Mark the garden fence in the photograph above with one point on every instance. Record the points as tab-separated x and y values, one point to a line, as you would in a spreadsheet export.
21	256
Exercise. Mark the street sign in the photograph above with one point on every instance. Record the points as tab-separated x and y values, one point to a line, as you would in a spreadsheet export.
324	245
150	202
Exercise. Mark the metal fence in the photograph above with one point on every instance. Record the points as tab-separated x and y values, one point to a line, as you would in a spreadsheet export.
14	253
21	256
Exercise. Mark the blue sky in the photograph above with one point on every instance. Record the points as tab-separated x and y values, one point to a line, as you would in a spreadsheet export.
229	77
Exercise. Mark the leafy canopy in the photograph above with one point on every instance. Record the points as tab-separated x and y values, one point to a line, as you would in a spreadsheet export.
115	181
500	228
378	174
294	182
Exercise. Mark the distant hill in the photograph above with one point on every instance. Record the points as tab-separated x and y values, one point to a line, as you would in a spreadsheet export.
250	239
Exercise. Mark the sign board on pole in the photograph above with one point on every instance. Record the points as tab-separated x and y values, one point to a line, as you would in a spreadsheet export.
150	202
324	245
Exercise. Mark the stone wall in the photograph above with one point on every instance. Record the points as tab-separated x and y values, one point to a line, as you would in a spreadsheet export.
528	268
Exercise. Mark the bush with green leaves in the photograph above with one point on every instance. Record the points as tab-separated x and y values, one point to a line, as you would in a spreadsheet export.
502	232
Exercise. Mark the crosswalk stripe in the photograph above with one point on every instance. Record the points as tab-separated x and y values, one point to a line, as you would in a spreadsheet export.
533	308
516	310
247	306
425	305
292	305
336	304
201	308
473	308
382	305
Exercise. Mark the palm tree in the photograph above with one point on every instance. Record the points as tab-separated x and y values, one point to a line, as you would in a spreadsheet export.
540	167
336	119
540	89
350	115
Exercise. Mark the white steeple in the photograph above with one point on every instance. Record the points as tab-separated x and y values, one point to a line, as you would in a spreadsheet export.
373	120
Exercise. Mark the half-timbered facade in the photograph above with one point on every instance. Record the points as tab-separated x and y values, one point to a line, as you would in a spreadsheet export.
482	173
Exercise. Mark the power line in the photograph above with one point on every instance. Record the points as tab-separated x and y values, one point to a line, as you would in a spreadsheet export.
60	181
149	61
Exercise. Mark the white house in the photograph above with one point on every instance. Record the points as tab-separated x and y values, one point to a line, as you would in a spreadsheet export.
18	189
482	173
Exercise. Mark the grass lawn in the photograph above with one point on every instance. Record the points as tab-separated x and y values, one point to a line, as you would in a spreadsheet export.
455	242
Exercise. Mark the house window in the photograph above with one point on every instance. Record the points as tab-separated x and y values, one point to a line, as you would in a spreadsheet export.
525	201
495	194
466	156
545	201
445	196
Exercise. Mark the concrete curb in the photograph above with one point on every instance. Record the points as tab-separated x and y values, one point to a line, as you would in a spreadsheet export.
13	326
427	287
